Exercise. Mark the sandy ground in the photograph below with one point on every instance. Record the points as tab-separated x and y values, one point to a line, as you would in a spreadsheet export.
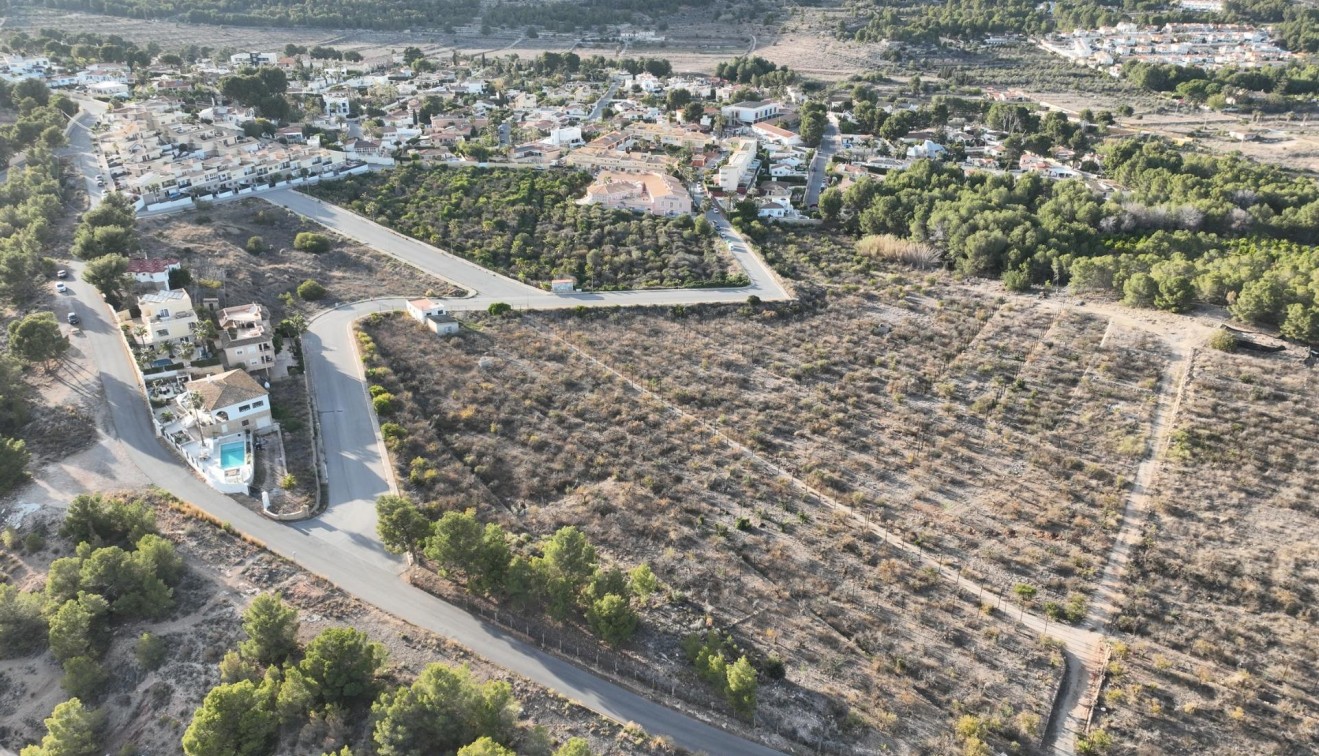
694	44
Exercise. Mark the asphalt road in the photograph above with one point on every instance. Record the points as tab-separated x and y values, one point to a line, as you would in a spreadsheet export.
599	110
336	548
820	163
341	545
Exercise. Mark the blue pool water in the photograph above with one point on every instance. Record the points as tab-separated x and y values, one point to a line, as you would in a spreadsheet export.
233	455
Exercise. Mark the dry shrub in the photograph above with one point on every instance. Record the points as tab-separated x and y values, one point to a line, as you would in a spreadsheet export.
892	248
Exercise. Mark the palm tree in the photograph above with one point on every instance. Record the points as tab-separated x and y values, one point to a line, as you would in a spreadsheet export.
193	401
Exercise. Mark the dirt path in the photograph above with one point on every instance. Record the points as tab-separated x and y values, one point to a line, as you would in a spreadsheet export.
1108	591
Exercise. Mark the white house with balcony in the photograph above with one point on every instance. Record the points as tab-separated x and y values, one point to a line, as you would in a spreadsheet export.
246	337
167	316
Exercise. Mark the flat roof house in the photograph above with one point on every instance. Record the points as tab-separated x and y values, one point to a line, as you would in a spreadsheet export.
167	316
247	340
748	112
433	315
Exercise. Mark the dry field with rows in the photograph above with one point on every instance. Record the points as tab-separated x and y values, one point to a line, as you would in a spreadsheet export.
1000	433
1223	583
967	425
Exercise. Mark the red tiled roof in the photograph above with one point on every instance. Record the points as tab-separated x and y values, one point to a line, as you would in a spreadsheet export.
152	265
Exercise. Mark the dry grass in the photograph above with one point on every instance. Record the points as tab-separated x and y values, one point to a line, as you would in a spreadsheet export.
893	249
541	437
1223	590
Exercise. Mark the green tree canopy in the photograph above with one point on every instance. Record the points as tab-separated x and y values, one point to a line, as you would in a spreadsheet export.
403	529
108	274
341	663
272	630
71	730
37	338
233	720
443	709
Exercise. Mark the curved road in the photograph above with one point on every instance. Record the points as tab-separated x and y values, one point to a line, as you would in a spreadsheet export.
342	545
337	548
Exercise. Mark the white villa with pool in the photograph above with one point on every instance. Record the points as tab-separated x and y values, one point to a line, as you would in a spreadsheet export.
213	424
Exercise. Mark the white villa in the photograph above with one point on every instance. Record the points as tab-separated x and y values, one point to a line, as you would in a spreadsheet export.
213	425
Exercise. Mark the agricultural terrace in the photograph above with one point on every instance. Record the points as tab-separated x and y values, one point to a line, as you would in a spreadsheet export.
1223	584
526	224
999	433
537	435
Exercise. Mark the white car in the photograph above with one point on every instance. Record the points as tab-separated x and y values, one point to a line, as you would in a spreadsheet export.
61	288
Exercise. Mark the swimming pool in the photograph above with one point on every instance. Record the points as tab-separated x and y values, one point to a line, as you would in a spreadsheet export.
233	454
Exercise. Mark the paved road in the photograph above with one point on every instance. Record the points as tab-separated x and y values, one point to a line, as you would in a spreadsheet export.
820	163
342	546
492	287
598	111
80	153
354	563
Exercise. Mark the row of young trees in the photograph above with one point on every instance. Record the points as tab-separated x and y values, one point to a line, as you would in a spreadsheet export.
1249	223
272	685
565	578
528	225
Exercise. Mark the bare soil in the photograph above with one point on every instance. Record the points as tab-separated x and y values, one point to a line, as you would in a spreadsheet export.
211	244
1218	625
148	711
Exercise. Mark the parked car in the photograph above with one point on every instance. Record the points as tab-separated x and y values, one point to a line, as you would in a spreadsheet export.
61	288
74	319
62	273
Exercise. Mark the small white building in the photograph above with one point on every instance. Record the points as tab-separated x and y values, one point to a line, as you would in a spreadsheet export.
337	106
253	59
433	315
154	270
927	149
776	134
563	285
566	136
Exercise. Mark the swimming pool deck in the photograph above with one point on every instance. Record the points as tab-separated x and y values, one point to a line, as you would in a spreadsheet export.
204	454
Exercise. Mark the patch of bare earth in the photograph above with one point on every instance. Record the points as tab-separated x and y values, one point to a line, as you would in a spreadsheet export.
1218	626
211	244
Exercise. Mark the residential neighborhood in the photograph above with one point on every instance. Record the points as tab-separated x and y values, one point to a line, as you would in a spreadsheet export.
1208	46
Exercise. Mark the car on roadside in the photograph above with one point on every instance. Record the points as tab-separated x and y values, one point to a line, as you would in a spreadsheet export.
61	288
62	273
74	319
